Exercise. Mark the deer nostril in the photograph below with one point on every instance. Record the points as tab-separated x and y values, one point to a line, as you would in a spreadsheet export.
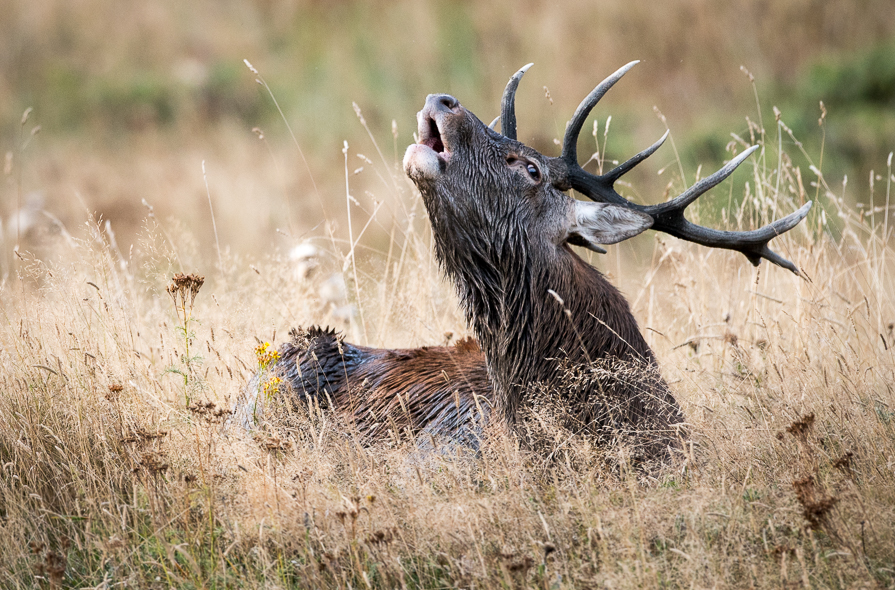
446	101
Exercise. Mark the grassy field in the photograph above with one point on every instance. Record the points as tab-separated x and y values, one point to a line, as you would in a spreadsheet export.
149	153
128	113
117	470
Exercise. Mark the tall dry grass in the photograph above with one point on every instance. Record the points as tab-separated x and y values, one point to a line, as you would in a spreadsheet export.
118	470
128	112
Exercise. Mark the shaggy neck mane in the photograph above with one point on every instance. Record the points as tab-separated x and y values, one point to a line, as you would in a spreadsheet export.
524	331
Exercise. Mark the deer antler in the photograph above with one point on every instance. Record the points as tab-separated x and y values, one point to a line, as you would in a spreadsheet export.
668	217
508	104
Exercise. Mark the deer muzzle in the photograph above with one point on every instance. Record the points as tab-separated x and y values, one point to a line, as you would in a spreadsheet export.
427	159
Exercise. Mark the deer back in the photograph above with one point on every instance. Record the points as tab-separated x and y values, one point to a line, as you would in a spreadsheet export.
439	392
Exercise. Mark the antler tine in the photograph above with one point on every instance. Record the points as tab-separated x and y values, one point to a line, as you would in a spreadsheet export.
626	167
508	103
681	201
493	123
753	244
570	141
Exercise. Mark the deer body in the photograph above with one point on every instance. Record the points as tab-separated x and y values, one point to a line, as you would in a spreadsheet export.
442	392
503	228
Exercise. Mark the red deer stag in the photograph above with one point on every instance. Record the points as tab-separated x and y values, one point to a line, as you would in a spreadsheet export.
503	226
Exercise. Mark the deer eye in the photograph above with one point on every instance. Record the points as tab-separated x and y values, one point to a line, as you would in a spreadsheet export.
522	164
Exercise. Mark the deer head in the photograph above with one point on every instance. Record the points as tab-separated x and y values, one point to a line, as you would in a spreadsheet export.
503	226
479	181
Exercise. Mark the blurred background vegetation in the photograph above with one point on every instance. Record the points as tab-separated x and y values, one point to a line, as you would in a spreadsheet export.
130	98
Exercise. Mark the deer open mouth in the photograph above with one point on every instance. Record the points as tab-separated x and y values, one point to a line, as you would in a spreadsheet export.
428	158
432	138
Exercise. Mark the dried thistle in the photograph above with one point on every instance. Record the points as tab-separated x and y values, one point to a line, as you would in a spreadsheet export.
114	392
183	290
185	286
274	443
381	537
523	565
731	338
800	428
844	463
53	565
815	506
152	463
209	412
141	436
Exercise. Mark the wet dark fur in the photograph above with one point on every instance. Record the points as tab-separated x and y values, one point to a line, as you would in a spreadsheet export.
440	392
498	235
502	242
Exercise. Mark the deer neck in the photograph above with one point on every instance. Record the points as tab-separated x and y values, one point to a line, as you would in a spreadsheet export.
525	331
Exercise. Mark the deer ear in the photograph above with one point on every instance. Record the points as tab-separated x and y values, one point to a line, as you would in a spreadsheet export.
601	223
